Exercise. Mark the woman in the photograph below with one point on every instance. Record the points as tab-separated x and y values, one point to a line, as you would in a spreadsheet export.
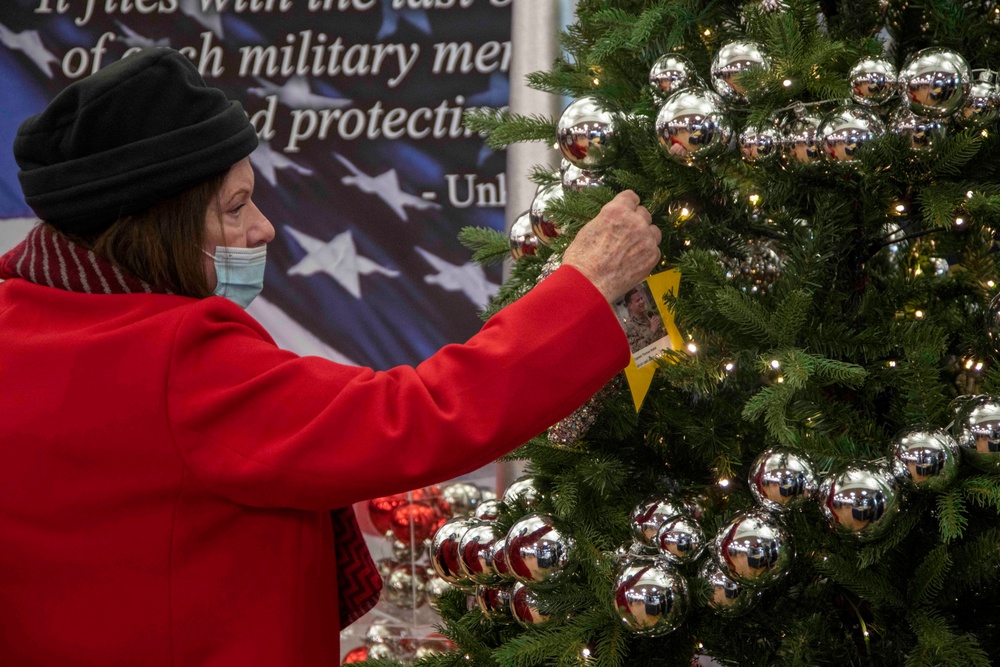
168	473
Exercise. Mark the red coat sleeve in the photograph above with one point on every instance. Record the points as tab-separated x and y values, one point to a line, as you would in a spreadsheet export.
267	428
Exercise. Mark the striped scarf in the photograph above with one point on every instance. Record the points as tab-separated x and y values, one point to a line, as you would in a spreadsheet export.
48	258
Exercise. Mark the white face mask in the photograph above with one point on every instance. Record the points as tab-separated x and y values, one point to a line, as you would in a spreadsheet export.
239	272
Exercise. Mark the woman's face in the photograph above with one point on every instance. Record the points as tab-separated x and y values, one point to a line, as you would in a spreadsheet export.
242	225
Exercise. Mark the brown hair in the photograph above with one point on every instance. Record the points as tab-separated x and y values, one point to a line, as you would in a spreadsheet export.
162	244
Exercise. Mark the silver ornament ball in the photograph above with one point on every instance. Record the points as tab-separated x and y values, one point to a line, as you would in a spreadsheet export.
923	133
873	81
680	540
650	598
525	606
982	105
576	179
406	586
693	125
861	501
434	588
586	135
538	549
753	549
935	81
726	597
649	517
542	224
925	457
671	73
475	553
488	510
445	548
782	478
522	237
847	130
461	497
801	142
979	426
759	144
493	601
522	491
758	269
730	61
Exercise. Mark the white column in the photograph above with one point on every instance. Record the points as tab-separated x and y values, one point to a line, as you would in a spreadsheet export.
535	25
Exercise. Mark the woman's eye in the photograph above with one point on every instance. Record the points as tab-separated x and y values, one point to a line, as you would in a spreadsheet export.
237	210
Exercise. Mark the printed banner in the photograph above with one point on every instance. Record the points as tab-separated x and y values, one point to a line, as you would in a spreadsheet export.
364	167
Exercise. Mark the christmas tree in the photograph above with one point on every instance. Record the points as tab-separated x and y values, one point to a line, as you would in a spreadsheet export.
807	472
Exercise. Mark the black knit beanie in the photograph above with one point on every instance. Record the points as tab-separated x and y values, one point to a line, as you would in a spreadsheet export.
139	131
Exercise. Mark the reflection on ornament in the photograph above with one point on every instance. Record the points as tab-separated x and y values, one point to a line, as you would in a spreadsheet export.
445	548
873	81
649	517
730	61
692	125
727	597
551	264
576	179
935	81
461	497
525	607
522	237
494	601
922	132
475	553
759	144
538	549
523	491
782	478
406	585
982	106
499	555
488	510
979	426
926	457
542	223
651	599
848	129
753	549
860	501
801	142
680	540
586	134
670	73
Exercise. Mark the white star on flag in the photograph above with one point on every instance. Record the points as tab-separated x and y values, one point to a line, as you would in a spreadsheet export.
210	19
30	43
338	258
296	94
133	39
468	278
268	161
386	186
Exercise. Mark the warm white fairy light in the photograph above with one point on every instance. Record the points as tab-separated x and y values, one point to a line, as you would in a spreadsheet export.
787	83
724	482
692	348
754	198
775	364
959	222
990	283
968	194
919	314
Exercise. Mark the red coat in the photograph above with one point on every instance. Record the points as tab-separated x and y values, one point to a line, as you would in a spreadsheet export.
166	471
